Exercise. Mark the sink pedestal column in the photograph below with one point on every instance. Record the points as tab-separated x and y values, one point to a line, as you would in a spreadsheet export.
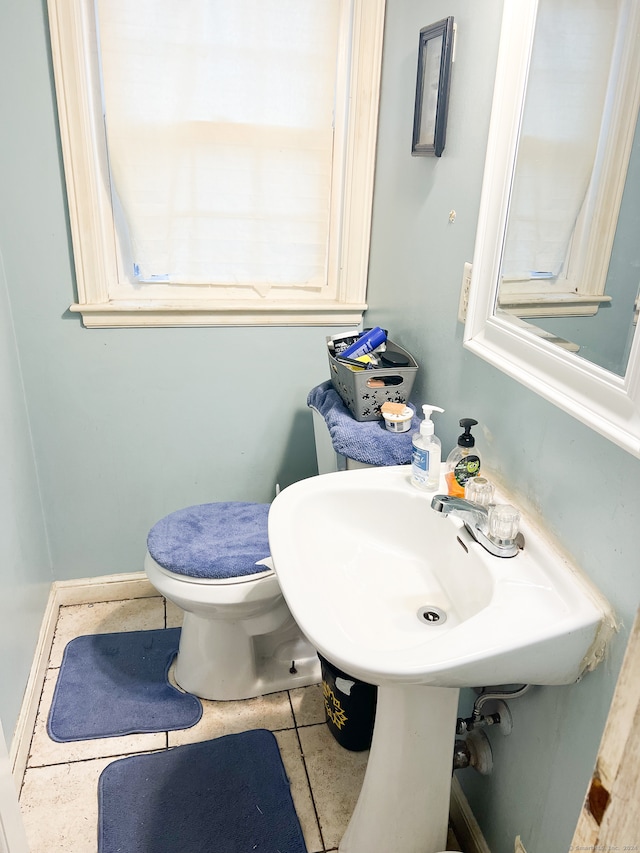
404	803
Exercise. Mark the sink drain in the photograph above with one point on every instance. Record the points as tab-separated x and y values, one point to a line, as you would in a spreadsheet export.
432	615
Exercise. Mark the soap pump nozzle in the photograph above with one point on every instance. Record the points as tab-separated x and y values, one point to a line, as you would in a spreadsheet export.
466	439
426	427
428	410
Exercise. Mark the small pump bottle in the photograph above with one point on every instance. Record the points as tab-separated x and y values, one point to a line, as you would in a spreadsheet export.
427	450
463	462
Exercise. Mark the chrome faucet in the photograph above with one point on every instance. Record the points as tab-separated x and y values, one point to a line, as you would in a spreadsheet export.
476	520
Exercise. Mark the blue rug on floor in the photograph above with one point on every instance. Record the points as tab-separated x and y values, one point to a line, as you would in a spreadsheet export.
228	795
116	684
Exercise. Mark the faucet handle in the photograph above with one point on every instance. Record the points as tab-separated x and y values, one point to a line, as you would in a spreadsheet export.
504	521
479	490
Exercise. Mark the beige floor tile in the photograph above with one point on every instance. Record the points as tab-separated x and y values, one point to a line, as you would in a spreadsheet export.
224	718
175	615
138	614
295	770
308	705
60	807
46	751
336	776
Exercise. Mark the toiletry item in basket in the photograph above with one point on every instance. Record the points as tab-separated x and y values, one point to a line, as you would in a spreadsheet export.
363	362
397	416
342	341
366	342
463	462
425	457
390	358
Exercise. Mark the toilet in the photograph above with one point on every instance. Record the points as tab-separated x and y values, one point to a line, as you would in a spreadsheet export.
238	638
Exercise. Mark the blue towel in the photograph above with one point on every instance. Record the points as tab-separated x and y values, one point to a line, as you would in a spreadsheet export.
217	540
369	441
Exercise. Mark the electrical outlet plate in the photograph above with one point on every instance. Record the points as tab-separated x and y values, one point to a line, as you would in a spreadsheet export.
519	846
464	293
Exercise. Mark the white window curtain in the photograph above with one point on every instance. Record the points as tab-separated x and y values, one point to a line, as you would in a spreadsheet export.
561	125
219	121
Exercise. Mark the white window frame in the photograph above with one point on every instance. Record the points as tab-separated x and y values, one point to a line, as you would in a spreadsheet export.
581	289
99	276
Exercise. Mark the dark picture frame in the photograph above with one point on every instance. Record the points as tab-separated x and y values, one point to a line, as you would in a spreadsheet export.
435	50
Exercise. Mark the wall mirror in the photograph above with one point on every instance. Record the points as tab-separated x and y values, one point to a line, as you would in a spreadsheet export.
555	286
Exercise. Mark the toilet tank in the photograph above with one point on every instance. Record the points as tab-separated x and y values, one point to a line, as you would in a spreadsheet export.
329	460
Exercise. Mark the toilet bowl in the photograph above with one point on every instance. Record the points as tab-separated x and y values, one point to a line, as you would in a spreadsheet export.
238	638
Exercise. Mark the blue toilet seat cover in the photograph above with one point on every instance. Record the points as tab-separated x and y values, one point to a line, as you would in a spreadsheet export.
216	541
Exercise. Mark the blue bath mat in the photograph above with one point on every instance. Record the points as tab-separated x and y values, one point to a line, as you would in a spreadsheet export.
228	795
116	684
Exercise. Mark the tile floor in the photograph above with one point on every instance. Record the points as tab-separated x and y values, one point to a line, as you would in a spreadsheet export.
58	796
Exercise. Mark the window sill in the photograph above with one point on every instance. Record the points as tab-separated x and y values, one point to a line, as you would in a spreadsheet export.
550	305
109	315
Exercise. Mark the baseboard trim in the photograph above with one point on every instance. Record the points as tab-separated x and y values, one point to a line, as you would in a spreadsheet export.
465	826
64	593
23	732
105	588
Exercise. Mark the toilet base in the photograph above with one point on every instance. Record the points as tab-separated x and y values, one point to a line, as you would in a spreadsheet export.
220	661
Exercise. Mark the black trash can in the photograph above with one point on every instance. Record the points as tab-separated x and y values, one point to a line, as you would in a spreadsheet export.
350	707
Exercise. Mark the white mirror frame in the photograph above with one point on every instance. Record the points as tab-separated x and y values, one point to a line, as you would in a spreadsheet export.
608	403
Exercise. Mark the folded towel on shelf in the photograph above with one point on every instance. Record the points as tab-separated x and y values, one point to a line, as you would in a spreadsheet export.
370	441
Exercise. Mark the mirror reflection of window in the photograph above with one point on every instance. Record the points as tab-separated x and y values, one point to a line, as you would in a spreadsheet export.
606	338
568	267
560	130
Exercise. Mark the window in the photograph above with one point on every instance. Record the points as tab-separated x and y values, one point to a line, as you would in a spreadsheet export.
219	157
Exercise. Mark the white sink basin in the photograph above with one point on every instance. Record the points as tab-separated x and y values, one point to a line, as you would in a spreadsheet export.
359	553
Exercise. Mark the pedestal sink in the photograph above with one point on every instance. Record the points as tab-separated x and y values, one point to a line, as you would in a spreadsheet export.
397	595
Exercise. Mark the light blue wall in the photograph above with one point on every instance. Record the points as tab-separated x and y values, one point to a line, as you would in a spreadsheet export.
582	486
128	425
25	565
25	569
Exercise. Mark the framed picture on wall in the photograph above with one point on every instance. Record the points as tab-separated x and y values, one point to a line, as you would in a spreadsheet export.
435	51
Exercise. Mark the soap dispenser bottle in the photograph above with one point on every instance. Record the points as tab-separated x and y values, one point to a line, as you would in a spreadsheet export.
426	454
463	462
